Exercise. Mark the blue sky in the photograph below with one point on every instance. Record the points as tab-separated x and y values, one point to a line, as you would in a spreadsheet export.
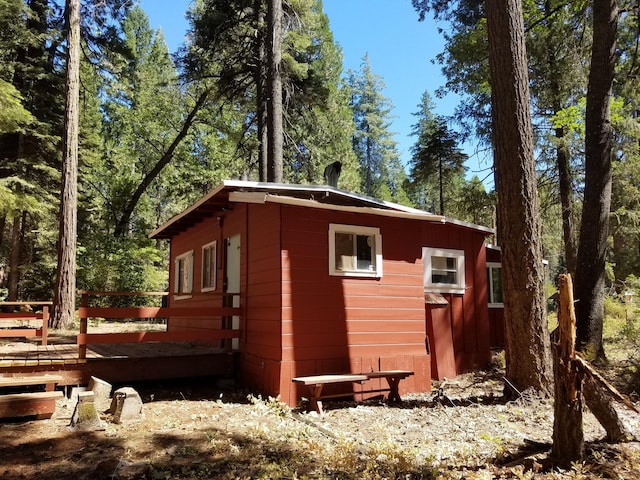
401	50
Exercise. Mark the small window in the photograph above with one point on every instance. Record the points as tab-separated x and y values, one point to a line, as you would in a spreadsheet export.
494	284
355	251
443	270
209	262
183	284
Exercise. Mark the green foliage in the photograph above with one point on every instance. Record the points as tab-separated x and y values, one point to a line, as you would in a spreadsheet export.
317	127
271	404
437	163
372	141
13	115
625	197
437	174
124	264
318	118
622	331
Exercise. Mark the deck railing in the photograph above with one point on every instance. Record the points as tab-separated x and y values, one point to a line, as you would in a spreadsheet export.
205	333
26	313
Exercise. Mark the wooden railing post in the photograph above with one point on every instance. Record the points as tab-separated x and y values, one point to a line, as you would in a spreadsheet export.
82	347
45	324
223	336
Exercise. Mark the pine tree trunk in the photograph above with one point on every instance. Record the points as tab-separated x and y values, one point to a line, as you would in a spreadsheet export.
14	260
568	433
565	184
590	271
527	344
275	128
65	292
3	224
262	73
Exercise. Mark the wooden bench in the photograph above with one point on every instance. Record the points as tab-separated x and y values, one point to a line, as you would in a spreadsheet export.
393	378
316	384
26	316
38	404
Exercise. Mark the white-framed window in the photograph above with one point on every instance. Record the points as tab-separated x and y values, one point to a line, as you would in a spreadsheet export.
209	264
443	270
183	284
494	284
355	251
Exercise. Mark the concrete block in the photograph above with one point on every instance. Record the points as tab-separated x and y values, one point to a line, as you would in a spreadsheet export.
75	391
126	405
85	415
102	391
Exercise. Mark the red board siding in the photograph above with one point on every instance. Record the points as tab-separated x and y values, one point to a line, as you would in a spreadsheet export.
263	291
330	323
467	313
194	239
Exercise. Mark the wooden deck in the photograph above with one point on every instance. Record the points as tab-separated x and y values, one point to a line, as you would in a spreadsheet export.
116	363
122	356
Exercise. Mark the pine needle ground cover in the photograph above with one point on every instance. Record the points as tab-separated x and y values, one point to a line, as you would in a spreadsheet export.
192	430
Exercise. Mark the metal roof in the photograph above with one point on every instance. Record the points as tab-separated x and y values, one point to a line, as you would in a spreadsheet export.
218	200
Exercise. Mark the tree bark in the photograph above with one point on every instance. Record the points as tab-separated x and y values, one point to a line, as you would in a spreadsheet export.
527	344
14	260
573	377
262	73
590	271
568	433
65	292
565	181
274	105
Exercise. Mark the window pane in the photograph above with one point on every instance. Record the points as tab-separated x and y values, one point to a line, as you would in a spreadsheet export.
180	276
496	284
443	270
208	267
185	276
344	251
355	251
364	246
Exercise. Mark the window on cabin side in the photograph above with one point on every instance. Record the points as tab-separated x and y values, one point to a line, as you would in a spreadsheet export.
494	284
443	270
209	264
183	284
355	251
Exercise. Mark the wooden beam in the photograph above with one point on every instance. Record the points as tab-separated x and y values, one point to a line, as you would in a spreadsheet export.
139	337
157	312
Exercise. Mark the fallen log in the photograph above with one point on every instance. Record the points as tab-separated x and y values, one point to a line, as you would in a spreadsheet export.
601	397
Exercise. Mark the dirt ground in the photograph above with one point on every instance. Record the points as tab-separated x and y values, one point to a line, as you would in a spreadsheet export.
191	429
194	429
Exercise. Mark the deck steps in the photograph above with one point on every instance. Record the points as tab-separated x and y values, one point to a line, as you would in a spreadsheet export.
40	404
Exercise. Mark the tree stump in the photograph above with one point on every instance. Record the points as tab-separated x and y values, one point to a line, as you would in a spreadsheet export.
568	433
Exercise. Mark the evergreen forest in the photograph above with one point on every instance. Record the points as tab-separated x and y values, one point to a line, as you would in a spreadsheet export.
157	130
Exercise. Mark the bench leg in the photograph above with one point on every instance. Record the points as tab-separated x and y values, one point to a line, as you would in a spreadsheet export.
394	396
316	403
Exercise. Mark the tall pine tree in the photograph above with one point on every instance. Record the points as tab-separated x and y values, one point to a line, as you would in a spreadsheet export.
437	163
373	142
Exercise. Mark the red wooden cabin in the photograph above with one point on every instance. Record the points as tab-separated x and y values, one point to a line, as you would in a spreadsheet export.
333	282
